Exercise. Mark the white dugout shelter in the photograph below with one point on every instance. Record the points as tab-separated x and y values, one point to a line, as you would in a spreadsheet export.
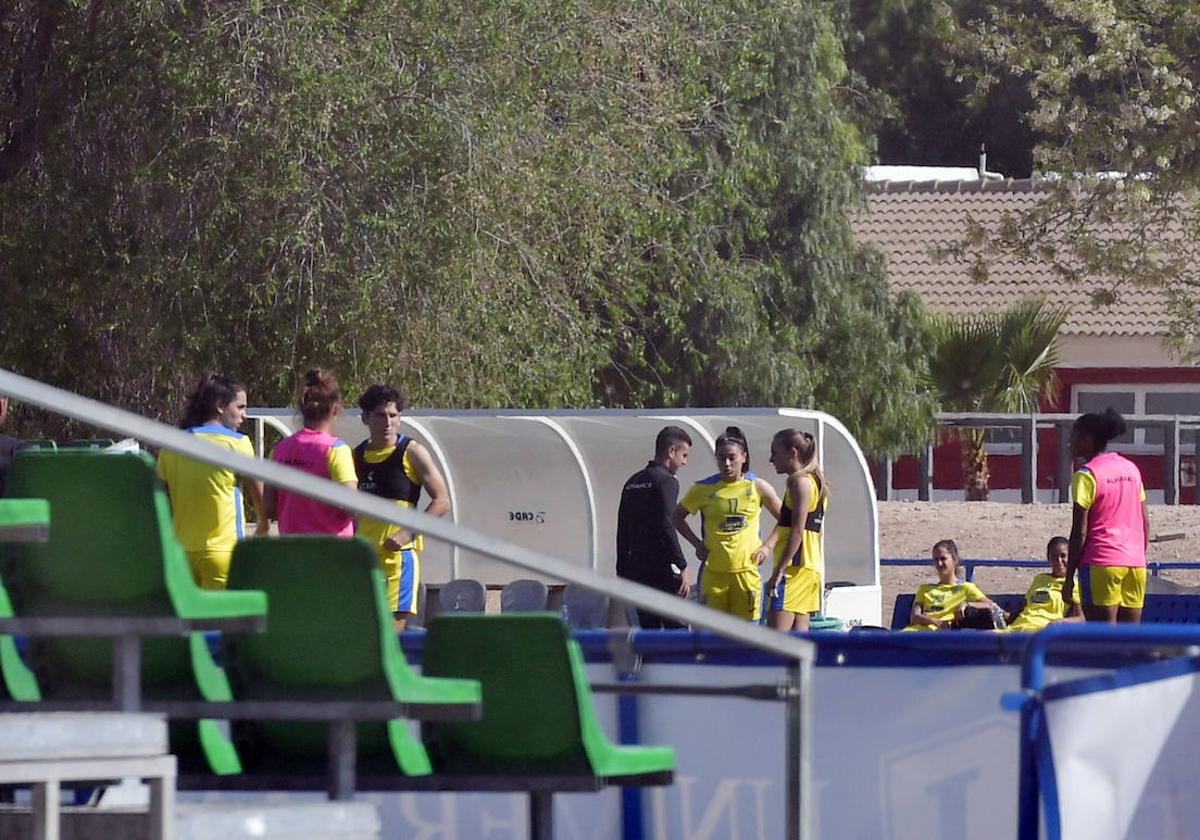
551	480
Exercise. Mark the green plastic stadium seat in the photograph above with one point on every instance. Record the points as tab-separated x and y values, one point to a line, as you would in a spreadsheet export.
41	444
538	718
24	520
112	552
330	636
21	520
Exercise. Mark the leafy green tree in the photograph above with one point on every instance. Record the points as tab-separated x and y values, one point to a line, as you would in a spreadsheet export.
999	361
922	107
520	203
1113	86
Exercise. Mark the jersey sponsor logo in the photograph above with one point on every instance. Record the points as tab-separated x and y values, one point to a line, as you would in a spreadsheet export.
1116	479
1042	596
732	524
733	521
643	485
297	462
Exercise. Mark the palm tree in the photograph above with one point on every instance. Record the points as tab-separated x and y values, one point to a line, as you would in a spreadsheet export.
993	361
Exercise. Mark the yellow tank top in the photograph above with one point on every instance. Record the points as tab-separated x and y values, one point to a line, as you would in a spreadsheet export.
809	556
373	529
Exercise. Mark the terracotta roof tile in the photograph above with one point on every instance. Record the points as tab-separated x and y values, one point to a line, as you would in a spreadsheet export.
908	221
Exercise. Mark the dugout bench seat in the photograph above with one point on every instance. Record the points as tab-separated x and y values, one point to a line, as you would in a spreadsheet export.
1159	609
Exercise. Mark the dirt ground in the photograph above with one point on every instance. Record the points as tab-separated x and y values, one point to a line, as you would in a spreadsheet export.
1005	531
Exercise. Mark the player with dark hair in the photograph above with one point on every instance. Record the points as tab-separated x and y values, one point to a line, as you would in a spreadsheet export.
206	501
396	467
1110	524
1044	602
729	504
647	547
942	605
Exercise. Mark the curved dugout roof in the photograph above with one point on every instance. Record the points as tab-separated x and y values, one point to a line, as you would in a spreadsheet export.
551	480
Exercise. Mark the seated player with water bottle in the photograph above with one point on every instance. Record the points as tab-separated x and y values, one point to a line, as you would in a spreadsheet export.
943	605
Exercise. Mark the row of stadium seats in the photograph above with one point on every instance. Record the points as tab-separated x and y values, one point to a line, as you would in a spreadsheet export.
582	609
45	444
315	698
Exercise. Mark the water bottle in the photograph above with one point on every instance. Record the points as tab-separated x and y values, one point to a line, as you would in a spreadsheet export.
998	621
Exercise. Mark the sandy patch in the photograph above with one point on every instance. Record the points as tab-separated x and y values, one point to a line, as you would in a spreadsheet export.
1001	530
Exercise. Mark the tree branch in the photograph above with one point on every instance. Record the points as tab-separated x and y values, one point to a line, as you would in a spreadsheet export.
28	121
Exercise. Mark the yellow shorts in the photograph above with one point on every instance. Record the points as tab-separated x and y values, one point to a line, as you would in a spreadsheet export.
402	574
1110	586
799	591
210	569
736	593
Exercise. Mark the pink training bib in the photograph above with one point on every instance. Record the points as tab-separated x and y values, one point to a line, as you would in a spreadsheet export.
308	450
1116	533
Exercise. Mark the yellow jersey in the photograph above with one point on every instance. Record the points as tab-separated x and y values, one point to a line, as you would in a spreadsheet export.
729	511
1043	604
206	501
1083	489
809	556
942	600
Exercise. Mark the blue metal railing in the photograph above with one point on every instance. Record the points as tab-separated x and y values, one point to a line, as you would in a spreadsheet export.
1033	681
969	564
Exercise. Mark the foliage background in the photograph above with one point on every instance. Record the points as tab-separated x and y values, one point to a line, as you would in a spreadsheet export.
519	203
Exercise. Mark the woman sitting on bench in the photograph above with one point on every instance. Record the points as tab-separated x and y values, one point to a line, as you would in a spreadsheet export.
941	605
1044	603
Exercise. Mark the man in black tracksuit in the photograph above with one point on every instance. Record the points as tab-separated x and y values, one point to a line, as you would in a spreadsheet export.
647	545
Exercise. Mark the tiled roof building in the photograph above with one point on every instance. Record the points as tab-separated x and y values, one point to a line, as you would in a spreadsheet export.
910	220
1110	355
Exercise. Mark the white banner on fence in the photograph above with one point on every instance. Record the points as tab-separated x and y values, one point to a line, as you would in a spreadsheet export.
1123	750
899	753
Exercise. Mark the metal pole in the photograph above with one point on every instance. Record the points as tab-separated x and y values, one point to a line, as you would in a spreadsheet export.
127	672
925	473
541	815
44	808
162	805
883	478
1171	461
792	759
798	766
1028	460
808	803
1065	463
343	748
1028	806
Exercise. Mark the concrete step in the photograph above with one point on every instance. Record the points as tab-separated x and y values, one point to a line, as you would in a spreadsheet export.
196	821
64	736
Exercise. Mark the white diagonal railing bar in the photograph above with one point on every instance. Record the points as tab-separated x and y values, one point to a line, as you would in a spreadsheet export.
161	435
